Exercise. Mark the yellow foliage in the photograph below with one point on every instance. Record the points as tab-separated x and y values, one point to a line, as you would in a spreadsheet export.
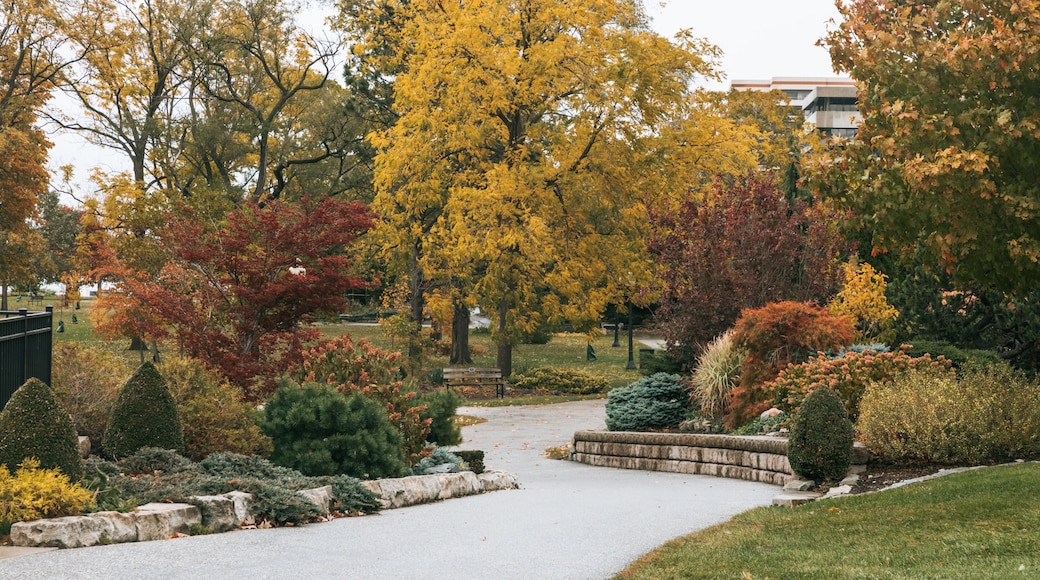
33	493
863	299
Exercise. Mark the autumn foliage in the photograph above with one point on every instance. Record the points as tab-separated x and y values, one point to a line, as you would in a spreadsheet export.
235	296
862	298
738	247
774	336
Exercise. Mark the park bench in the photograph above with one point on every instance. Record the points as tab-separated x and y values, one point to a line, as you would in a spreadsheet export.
35	299
475	377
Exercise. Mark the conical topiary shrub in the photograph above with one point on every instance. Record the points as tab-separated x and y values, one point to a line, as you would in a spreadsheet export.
145	415
820	446
34	424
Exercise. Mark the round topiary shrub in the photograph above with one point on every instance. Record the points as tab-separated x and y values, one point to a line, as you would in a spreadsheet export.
820	446
34	424
145	415
653	402
318	431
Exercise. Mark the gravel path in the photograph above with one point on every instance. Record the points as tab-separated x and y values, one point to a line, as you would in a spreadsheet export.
568	521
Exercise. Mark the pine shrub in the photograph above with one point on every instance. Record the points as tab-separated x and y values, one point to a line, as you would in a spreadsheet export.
820	446
718	368
440	411
653	402
35	425
145	415
316	430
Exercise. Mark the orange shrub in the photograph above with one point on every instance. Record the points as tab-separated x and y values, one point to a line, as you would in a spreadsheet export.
775	336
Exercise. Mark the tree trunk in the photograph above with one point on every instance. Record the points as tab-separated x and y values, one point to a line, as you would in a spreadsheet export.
504	357
417	304
3	296
460	335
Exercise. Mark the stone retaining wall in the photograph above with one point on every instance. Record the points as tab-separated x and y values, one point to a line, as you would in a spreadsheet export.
762	459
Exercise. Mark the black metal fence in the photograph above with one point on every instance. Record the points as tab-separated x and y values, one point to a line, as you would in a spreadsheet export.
25	349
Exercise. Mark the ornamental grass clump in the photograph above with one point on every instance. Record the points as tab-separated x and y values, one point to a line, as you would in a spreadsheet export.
34	425
718	369
991	413
655	402
820	446
145	415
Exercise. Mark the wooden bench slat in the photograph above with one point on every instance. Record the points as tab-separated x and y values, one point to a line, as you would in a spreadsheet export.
475	377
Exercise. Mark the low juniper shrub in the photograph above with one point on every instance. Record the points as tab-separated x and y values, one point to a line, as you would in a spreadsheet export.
653	402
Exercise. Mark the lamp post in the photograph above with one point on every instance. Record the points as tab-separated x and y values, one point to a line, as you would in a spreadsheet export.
631	362
617	324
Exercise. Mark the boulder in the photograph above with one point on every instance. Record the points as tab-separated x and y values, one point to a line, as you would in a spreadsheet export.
243	503
76	531
218	512
498	480
159	521
417	489
84	446
319	496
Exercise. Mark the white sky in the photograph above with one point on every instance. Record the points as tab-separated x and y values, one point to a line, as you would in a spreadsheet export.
760	39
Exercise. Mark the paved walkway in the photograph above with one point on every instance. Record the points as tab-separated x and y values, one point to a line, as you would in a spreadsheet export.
568	521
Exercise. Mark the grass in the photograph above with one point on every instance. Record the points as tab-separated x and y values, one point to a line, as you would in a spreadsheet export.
978	524
563	351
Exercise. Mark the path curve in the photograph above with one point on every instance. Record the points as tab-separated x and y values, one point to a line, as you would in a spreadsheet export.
569	520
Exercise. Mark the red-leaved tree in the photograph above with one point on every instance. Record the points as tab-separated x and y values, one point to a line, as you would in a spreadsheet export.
736	247
236	295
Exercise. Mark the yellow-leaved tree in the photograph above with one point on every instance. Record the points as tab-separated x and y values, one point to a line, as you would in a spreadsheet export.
526	143
862	298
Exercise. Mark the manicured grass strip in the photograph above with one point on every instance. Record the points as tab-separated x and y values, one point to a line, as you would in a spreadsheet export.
979	524
532	400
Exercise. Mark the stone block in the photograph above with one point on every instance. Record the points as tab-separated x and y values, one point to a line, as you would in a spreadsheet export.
159	521
76	531
795	498
319	496
243	504
860	454
84	446
417	489
218	512
799	484
498	480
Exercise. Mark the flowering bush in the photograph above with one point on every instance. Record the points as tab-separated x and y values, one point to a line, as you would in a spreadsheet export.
847	376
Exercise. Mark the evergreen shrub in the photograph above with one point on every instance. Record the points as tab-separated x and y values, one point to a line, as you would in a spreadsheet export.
145	415
820	445
653	402
559	380
316	430
35	425
473	458
440	411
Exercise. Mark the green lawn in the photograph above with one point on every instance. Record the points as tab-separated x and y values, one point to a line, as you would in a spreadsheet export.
564	350
979	524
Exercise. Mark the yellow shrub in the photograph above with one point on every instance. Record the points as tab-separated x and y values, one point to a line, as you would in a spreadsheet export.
862	299
33	493
991	413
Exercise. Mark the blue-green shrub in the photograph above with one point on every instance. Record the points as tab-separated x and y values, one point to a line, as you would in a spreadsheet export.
653	402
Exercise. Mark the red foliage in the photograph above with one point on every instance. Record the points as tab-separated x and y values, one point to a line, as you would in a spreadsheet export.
740	247
236	296
775	336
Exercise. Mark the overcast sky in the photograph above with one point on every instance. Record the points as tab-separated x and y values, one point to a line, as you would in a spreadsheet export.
760	39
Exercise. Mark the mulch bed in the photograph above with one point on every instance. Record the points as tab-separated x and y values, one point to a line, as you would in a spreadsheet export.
879	476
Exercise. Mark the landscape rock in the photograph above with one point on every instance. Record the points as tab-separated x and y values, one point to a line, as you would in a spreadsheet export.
84	446
76	531
218	512
795	498
243	503
799	484
417	489
320	496
498	480
159	521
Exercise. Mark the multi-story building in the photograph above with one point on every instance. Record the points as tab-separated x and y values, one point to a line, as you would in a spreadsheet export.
828	103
